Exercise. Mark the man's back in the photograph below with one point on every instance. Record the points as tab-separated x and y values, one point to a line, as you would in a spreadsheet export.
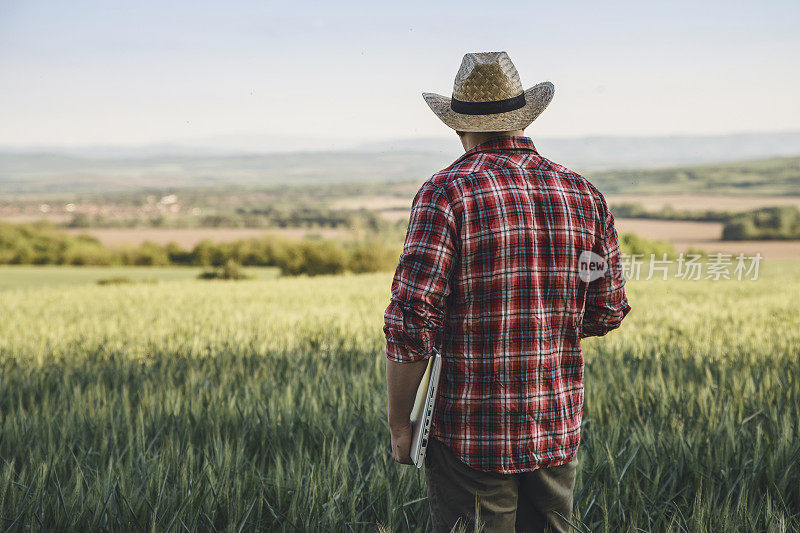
490	272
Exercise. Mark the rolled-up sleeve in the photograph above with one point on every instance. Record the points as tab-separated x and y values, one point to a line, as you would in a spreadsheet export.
606	302
414	319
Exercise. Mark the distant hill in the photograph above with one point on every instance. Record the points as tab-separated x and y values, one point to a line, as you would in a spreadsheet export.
54	173
636	168
606	153
775	176
587	153
593	153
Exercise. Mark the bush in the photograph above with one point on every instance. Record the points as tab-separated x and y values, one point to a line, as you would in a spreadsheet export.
207	253
372	257
86	250
667	212
631	244
766	223
147	254
119	280
739	230
312	258
40	243
230	270
177	255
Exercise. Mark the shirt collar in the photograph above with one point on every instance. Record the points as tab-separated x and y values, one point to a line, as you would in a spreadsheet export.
502	142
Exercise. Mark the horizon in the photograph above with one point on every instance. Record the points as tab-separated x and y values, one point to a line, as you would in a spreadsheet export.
233	145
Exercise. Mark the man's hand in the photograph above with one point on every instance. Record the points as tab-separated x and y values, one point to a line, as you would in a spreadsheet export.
401	444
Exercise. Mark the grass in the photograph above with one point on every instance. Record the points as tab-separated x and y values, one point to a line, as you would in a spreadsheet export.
260	404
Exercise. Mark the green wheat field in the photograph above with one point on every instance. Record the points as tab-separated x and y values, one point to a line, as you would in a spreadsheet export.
260	405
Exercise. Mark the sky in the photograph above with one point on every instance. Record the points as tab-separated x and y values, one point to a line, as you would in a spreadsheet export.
83	73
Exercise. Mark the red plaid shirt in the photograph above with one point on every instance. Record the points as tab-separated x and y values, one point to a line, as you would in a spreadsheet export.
489	274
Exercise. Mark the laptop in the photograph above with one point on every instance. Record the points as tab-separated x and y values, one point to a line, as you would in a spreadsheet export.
422	413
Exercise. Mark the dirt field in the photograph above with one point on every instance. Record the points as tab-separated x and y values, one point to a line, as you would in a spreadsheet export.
705	236
671	230
393	215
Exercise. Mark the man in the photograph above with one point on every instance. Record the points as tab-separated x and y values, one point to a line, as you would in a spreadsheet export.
494	273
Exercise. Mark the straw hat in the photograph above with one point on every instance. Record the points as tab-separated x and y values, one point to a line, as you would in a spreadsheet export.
488	96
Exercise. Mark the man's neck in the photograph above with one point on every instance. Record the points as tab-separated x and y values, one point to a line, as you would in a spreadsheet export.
471	139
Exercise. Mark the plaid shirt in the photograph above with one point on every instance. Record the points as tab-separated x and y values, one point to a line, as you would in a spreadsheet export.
489	274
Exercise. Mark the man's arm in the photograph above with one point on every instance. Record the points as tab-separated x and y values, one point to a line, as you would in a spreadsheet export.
606	303
414	319
402	380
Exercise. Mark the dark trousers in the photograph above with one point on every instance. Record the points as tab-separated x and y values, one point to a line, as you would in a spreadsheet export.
527	501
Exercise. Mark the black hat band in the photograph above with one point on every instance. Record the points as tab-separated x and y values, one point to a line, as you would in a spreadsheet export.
488	108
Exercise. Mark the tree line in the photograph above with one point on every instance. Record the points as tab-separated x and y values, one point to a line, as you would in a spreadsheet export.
40	243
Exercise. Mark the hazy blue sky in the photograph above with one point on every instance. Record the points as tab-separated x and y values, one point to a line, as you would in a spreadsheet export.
104	72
